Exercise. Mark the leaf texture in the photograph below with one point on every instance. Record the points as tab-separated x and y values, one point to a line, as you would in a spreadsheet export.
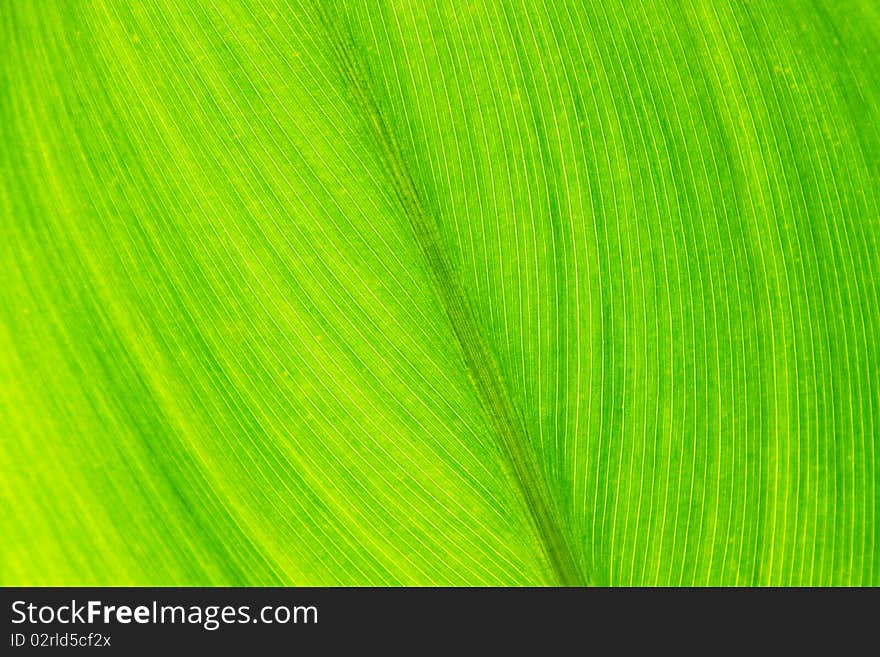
455	293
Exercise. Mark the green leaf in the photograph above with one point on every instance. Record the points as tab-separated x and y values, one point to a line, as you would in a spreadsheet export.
413	293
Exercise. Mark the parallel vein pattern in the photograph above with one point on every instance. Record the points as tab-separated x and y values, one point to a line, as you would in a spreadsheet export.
402	293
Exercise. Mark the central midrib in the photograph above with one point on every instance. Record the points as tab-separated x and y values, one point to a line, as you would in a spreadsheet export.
483	368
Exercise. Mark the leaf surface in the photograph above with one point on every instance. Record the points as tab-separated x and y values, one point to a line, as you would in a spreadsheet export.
408	293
